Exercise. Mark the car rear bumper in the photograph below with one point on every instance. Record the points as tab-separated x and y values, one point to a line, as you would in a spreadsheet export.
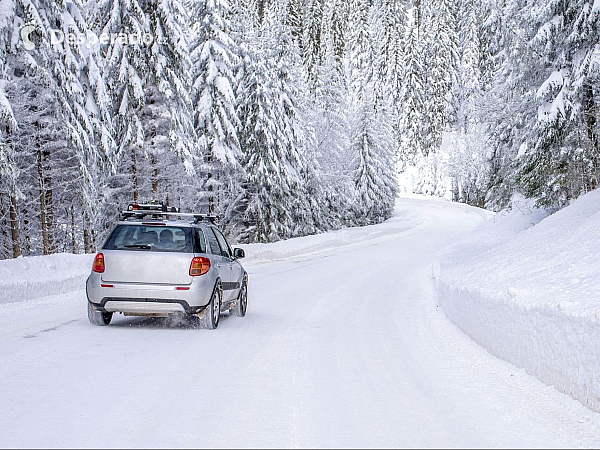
148	299
145	307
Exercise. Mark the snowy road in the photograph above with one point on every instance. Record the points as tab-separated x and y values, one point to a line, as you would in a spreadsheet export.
342	347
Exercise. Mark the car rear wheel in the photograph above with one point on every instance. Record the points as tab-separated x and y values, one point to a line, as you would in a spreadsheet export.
242	301
213	309
98	318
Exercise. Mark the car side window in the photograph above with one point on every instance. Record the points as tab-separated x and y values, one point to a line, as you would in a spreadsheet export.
213	242
223	243
200	243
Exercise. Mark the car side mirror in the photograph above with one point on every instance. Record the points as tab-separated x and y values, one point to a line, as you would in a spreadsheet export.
239	253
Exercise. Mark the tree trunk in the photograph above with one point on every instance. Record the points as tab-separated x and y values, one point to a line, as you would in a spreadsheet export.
134	172
87	240
590	115
211	194
49	202
219	189
73	240
15	224
27	229
43	220
5	253
154	162
15	229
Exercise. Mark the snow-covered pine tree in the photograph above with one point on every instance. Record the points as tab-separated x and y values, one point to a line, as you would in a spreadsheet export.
372	141
440	65
274	202
312	51
125	68
337	21
467	88
331	125
389	26
375	176
68	70
167	114
412	96
361	51
509	109
561	159
491	40
214	54
92	119
467	165
8	169
295	132
148	74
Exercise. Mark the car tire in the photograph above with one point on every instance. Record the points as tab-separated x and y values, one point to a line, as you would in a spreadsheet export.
98	318
213	309
241	305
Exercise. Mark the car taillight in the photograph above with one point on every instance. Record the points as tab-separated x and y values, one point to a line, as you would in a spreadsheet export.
98	263
199	266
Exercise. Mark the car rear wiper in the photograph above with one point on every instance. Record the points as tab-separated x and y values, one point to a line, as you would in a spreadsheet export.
142	246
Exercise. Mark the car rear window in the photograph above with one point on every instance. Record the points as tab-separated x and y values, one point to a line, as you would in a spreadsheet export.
150	238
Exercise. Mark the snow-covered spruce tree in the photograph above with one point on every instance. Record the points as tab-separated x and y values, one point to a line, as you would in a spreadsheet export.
295	132
331	125
214	54
97	155
561	159
412	97
509	108
8	170
490	40
263	220
375	176
467	88
41	153
372	141
311	47
167	113
361	51
337	21
467	166
274	203
440	58
389	25
68	70
125	68
148	71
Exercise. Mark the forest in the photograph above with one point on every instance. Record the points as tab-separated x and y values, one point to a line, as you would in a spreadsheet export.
287	117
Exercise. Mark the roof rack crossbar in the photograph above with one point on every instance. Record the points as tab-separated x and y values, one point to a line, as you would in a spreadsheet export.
144	213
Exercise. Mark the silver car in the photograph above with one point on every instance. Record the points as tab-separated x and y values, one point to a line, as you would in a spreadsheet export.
158	263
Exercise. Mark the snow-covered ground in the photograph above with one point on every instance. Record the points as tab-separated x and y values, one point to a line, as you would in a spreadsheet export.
343	346
527	287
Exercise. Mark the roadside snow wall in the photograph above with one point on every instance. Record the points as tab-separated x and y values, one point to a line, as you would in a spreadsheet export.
527	288
32	277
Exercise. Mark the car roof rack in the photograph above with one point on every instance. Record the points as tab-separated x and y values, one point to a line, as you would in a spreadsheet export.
162	212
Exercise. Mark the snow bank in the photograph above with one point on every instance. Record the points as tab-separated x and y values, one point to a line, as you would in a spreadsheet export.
38	276
527	287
